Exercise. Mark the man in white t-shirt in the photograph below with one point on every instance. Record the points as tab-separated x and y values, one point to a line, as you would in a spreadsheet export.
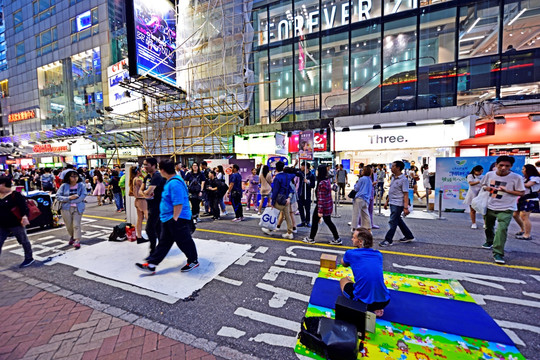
505	187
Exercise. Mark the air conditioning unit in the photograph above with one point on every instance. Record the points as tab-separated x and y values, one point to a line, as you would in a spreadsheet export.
534	117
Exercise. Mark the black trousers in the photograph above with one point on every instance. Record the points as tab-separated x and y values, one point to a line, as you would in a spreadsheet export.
153	226
315	224
304	206
178	232
236	199
214	206
195	205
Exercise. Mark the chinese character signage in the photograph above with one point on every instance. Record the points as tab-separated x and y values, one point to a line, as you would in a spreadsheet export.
48	148
23	115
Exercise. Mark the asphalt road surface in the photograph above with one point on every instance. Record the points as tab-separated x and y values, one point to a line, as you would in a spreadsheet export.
255	306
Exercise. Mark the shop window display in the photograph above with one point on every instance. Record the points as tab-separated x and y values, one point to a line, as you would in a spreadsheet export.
477	79
87	87
52	95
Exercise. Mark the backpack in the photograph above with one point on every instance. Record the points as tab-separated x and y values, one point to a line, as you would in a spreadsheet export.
194	187
119	232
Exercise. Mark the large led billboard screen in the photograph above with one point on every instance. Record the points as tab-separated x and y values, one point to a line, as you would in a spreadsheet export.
152	39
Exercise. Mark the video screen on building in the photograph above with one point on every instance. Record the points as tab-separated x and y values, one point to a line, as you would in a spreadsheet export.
84	21
152	39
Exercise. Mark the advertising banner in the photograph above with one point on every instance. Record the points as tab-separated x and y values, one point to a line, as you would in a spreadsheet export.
123	102
274	159
319	142
305	145
451	177
155	39
281	144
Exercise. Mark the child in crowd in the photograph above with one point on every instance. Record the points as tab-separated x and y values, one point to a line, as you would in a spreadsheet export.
367	267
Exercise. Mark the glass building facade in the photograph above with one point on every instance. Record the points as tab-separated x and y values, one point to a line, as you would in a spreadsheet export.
322	58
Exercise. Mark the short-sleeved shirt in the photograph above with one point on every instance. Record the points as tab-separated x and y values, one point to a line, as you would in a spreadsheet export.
536	185
236	180
398	186
174	193
341	176
367	267
501	200
159	182
380	175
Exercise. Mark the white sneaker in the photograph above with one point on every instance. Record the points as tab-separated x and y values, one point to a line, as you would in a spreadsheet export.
295	231
288	236
308	240
336	242
349	223
473	226
266	231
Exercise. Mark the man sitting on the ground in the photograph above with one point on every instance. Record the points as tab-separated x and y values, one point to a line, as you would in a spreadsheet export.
367	267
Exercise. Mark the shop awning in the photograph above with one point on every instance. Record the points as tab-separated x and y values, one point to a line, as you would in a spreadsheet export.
115	140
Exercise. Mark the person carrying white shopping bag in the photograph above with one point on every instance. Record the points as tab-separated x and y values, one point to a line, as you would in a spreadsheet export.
269	218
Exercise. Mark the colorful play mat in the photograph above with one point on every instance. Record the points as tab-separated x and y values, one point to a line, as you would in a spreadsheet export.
426	319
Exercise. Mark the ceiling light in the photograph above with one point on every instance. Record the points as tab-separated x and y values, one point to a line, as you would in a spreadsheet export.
517	16
411	123
376	127
474	24
448	122
345	129
473	38
499	120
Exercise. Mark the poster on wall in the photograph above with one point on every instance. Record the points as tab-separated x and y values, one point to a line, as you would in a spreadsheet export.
281	144
123	102
451	177
305	145
152	39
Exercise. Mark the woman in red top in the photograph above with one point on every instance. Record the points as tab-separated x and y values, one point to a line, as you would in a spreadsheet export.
324	207
57	180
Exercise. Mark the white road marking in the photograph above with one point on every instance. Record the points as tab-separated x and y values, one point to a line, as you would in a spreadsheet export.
230	332
134	289
481	300
102	227
514	337
246	258
517	326
47	237
228	281
275	339
63	242
537	277
282	261
281	295
274	271
474	278
262	249
268	319
12	246
290	249
534	295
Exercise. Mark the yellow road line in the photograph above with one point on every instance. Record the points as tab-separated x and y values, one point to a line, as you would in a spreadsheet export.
521	267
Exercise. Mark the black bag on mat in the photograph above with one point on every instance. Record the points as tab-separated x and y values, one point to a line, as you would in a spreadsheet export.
333	339
119	232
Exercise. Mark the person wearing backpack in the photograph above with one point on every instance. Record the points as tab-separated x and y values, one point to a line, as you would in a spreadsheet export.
195	181
9	223
72	194
47	180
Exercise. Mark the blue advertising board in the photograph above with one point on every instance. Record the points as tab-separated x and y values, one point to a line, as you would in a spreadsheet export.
155	39
451	177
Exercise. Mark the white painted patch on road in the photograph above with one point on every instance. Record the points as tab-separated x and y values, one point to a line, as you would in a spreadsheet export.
262	249
275	339
290	250
481	300
274	271
229	281
268	319
517	326
281	296
514	337
116	261
230	332
127	287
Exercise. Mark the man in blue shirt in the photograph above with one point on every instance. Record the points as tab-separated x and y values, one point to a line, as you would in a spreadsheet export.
235	191
364	190
367	267
175	216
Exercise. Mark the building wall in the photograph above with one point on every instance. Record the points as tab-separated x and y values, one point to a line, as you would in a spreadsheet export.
22	71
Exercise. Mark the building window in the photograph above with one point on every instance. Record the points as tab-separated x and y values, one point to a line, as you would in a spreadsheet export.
47	41
17	21
521	25
20	52
4	88
478	29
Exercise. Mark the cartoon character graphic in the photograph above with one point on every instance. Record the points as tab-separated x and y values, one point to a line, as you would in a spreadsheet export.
421	356
402	346
390	331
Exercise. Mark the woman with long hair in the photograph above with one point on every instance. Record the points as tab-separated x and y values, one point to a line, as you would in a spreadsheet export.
474	178
265	179
99	191
72	194
195	181
135	182
220	176
528	203
323	208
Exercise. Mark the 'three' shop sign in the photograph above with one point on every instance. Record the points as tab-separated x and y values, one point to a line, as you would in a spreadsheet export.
46	148
23	115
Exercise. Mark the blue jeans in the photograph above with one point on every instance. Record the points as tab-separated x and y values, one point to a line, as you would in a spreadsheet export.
118	200
20	234
395	221
222	204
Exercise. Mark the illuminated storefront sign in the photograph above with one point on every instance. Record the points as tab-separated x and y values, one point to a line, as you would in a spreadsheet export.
319	143
123	102
23	115
84	21
46	148
510	151
484	130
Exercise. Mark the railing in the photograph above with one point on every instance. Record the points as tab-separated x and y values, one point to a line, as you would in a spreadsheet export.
303	103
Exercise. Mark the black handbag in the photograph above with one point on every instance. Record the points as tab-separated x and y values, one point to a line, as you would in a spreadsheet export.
352	194
281	199
332	339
